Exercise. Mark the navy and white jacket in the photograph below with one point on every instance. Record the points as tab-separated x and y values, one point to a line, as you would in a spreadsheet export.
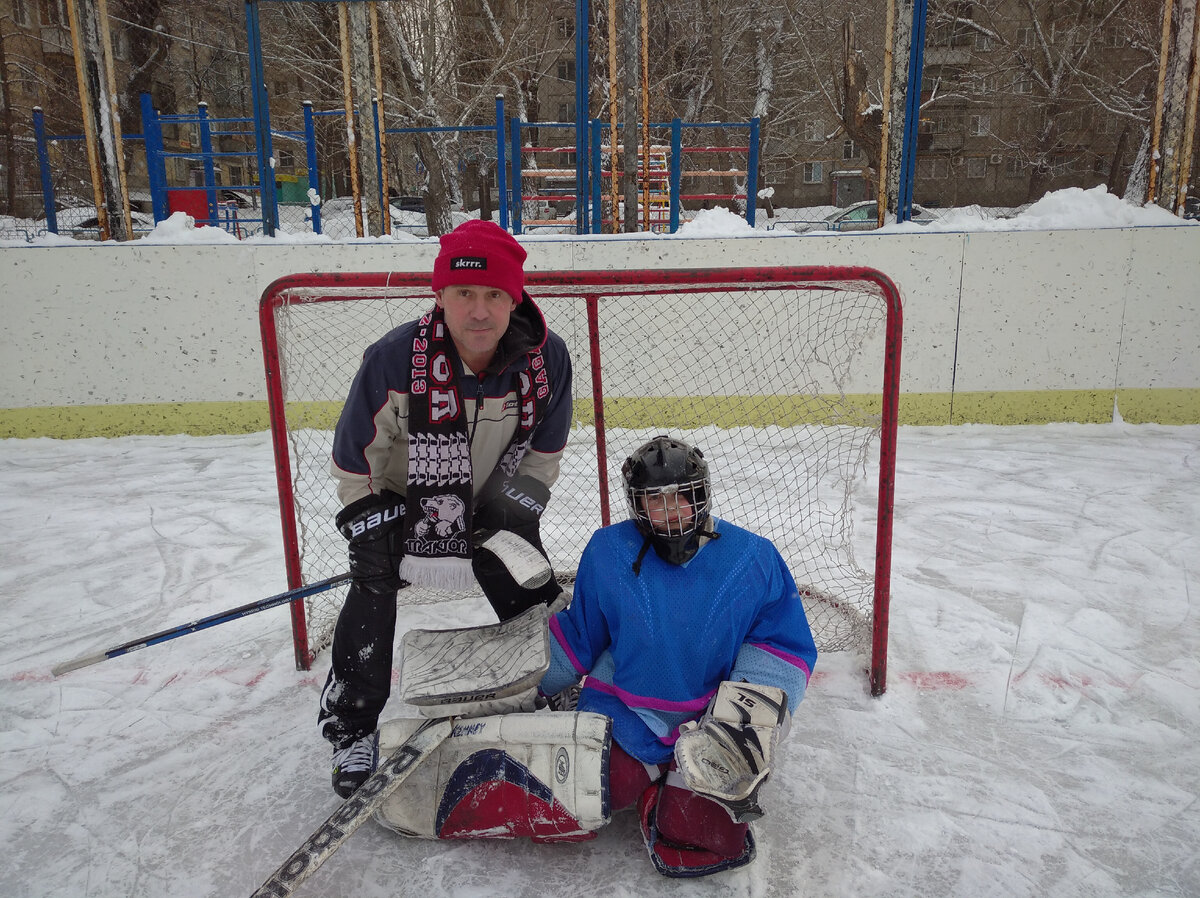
370	444
656	645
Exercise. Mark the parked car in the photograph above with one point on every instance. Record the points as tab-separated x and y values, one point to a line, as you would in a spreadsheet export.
864	216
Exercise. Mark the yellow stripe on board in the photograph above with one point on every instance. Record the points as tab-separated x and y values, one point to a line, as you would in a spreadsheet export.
151	419
1181	406
1159	406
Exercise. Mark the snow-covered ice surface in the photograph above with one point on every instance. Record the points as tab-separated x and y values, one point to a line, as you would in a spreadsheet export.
1040	735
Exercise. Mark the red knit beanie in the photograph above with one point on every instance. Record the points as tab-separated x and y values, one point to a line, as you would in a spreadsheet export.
480	252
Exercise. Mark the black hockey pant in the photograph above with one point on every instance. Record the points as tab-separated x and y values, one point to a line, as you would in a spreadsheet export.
360	675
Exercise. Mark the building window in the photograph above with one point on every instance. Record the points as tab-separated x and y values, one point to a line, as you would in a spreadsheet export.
849	150
813	130
977	166
564	28
814	172
1024	37
1023	85
20	12
287	160
983	41
981	125
933	167
53	12
566	70
983	84
1014	168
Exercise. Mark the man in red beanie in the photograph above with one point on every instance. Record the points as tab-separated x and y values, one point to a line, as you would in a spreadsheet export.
455	424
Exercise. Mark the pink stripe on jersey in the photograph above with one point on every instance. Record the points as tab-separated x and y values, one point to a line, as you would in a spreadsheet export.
785	656
556	629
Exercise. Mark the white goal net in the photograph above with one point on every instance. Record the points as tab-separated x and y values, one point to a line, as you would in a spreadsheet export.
786	378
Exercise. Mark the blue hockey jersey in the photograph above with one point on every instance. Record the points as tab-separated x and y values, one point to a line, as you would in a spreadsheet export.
656	645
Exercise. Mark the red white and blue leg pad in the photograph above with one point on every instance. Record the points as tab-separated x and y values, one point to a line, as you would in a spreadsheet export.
544	776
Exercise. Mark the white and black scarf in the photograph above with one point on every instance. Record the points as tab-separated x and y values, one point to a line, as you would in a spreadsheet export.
438	507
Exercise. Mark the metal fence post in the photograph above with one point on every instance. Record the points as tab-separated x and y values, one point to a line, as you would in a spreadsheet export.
314	177
752	174
206	150
43	155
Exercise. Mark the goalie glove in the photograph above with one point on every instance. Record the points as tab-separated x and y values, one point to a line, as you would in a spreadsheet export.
373	526
727	754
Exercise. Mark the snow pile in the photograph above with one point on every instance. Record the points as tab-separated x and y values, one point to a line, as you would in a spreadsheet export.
1066	209
715	223
181	228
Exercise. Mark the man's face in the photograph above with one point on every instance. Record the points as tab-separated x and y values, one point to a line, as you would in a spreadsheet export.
670	514
477	318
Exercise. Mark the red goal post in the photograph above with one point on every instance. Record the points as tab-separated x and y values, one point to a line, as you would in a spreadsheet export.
786	377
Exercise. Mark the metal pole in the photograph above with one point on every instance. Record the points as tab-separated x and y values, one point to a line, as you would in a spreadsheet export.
262	122
314	176
908	159
385	213
676	170
152	142
752	174
210	174
501	164
581	116
518	205
39	134
597	132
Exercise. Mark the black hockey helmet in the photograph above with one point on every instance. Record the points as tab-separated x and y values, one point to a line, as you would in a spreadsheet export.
657	476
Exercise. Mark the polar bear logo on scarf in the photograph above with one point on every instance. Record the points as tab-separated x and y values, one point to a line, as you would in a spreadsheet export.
443	516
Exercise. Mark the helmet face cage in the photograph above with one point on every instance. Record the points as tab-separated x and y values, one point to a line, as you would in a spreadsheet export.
667	490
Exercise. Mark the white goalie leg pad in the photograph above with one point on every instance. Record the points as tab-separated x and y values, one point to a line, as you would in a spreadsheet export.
476	671
727	754
540	775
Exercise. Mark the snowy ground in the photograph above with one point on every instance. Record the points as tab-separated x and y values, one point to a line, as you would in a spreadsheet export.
1040	736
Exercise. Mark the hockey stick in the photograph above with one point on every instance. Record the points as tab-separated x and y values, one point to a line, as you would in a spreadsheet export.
211	621
357	808
526	564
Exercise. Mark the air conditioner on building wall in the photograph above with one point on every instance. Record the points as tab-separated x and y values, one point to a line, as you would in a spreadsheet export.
996	158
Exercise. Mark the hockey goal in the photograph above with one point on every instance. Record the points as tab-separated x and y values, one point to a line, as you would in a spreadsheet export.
786	378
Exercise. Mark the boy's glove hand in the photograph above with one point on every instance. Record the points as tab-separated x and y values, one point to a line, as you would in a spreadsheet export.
373	525
727	754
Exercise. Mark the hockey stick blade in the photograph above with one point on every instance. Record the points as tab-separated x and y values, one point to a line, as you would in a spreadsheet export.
519	556
357	808
204	623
